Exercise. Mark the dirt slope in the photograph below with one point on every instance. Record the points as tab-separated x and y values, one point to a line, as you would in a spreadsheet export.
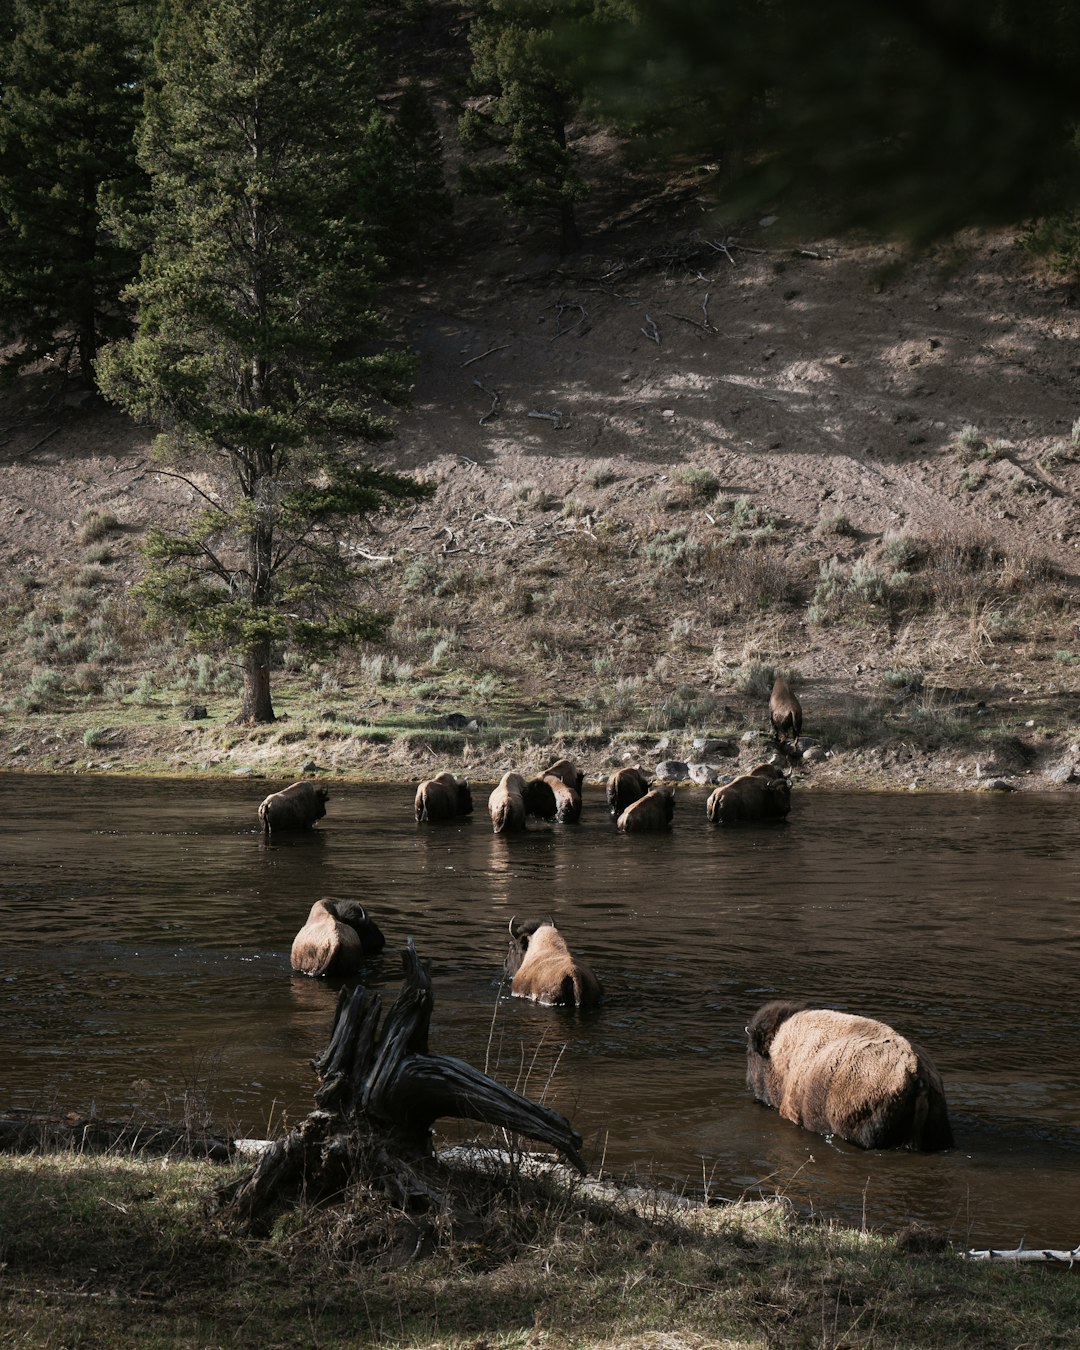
671	386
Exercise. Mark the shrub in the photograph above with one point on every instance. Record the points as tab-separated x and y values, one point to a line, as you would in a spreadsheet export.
95	525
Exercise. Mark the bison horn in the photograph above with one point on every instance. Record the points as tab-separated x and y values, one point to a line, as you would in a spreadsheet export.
513	921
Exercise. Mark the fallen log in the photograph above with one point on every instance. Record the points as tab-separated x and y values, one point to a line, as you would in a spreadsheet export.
380	1093
1047	1255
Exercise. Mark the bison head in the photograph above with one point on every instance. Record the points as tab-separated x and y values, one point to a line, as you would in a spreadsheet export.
355	915
520	933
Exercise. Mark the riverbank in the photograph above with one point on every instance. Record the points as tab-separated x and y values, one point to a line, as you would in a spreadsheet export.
1023	745
119	1251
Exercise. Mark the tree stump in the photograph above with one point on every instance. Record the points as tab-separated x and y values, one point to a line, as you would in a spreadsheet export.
381	1092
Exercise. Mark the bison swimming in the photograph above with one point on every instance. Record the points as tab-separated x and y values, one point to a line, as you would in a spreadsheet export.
541	967
651	812
762	794
506	805
443	797
296	807
335	939
624	787
849	1076
785	712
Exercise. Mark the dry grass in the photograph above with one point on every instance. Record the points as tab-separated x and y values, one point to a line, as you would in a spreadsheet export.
118	1251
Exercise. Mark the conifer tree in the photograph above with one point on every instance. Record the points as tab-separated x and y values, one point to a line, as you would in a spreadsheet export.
404	196
70	102
258	350
532	97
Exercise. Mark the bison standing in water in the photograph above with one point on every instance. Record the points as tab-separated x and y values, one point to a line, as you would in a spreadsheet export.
335	939
654	811
542	967
850	1076
762	794
506	805
567	799
624	787
785	713
443	797
296	807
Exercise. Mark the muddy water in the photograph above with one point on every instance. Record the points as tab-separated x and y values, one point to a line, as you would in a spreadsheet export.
144	965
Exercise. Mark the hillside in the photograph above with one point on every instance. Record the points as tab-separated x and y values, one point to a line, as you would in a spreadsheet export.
688	455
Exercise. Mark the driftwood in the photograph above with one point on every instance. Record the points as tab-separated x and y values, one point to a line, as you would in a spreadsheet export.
380	1094
1047	1255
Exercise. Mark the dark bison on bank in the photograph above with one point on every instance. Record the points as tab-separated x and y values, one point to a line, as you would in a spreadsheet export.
785	713
336	938
762	794
296	807
654	811
442	798
506	804
624	787
849	1076
541	967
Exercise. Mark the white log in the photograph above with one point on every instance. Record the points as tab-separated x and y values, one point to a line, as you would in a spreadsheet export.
1044	1254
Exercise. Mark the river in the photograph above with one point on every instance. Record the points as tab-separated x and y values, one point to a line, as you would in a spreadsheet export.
145	969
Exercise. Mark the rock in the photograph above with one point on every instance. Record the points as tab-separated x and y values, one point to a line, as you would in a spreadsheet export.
751	737
454	721
671	771
195	712
309	767
815	755
999	785
1065	772
703	773
706	745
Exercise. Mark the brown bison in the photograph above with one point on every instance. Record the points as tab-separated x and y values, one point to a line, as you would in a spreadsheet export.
567	799
506	805
336	938
785	712
540	799
651	812
625	786
541	966
850	1076
443	797
762	794
296	807
567	772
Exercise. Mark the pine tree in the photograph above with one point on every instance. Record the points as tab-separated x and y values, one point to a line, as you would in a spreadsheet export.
404	197
258	351
70	102
532	99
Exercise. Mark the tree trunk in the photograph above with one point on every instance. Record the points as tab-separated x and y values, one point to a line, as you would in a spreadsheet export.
379	1096
256	704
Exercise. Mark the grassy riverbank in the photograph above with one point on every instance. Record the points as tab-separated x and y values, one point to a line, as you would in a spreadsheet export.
115	1251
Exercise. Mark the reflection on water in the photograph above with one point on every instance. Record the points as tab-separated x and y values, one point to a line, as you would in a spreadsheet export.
145	963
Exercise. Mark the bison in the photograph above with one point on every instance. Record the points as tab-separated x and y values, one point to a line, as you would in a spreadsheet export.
540	799
651	812
336	938
849	1076
296	807
506	805
443	797
625	786
785	712
567	799
762	794
540	966
567	772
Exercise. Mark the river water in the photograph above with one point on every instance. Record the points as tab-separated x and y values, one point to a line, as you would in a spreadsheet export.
145	968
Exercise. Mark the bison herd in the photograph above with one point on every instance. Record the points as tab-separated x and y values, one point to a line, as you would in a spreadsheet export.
828	1071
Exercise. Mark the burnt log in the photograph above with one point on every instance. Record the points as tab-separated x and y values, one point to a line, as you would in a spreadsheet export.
380	1093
